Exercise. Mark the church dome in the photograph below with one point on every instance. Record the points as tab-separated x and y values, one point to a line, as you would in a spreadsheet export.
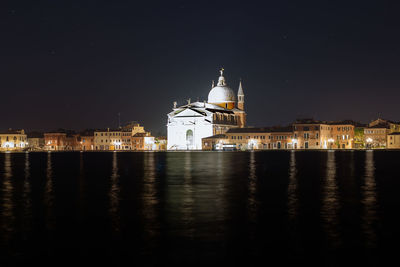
221	93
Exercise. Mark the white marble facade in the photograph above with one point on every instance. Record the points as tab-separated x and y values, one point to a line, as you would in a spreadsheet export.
189	124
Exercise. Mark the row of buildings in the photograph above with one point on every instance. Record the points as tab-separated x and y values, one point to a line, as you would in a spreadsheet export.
131	137
220	124
310	134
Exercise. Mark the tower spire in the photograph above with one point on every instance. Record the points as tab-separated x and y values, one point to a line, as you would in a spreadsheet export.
240	91
240	96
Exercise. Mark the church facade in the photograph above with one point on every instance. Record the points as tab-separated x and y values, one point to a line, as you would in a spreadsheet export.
188	124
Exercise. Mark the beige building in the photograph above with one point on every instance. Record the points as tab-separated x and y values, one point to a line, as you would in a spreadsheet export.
393	140
376	136
251	139
13	140
108	139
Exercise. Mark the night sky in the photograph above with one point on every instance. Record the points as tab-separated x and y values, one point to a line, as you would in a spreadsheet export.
77	64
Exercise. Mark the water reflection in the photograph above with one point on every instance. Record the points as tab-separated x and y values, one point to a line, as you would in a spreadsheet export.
114	195
49	194
369	200
150	199
27	202
81	187
292	187
7	215
252	187
330	202
188	201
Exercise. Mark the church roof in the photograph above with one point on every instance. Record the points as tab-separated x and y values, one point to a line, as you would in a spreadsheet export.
221	93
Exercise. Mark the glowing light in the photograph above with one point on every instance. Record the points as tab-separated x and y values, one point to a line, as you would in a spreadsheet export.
330	140
369	140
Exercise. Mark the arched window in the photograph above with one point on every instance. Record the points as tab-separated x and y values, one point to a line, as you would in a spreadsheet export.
189	138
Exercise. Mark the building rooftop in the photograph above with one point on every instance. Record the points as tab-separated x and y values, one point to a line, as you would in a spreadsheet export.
11	131
217	136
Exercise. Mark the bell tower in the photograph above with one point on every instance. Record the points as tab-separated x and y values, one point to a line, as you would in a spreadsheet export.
240	105
240	97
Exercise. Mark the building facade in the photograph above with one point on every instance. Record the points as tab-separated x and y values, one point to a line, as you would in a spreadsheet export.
55	141
188	124
393	140
108	139
143	142
13	140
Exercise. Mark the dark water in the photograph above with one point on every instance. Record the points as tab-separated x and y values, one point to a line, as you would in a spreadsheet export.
199	208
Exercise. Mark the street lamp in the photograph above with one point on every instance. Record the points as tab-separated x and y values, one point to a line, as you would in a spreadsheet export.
369	142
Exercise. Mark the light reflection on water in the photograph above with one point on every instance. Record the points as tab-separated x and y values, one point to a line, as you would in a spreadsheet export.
49	194
292	188
191	202
114	195
330	202
369	200
26	198
150	200
252	189
8	213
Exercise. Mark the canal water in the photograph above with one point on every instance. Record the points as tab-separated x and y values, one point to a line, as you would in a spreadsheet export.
319	208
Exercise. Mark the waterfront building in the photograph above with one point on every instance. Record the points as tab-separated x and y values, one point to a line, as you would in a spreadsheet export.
376	136
161	143
108	139
393	127
215	142
55	141
143	141
13	140
282	138
188	124
312	134
249	137
86	140
35	141
393	140
342	135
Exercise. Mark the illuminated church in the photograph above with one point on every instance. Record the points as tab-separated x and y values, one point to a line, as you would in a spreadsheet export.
189	123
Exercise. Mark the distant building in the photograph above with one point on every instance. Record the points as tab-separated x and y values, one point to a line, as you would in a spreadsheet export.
312	134
13	140
376	136
108	139
35	141
55	141
342	134
86	140
161	143
393	140
215	142
189	124
143	141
